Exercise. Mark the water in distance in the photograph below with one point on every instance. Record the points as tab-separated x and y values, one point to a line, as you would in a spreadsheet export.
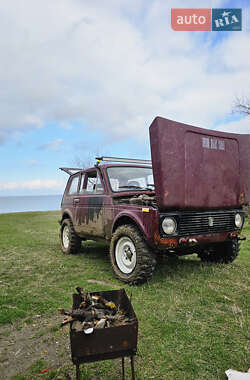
30	203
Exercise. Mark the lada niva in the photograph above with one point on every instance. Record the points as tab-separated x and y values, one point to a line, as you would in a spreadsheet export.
187	200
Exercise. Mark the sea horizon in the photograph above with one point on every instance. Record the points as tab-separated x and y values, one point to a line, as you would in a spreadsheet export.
26	203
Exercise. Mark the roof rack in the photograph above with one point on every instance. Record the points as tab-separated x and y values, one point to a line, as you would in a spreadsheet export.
124	160
71	171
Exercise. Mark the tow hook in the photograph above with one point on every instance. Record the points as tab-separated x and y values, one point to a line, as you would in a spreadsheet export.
184	241
192	241
232	236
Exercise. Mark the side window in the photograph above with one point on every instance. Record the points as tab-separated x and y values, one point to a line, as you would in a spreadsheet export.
93	184
99	188
74	186
82	190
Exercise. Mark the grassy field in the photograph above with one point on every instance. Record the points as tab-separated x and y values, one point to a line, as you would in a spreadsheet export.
193	317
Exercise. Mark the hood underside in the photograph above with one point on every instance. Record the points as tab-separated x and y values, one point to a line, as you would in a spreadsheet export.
196	168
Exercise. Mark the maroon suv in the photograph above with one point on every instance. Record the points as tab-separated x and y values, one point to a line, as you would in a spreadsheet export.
187	200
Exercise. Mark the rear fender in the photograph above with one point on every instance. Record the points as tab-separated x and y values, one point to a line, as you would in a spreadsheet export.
67	214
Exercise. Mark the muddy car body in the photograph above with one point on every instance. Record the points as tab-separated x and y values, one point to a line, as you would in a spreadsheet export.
188	200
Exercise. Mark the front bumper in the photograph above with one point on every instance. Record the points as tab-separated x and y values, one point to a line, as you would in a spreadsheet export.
199	228
194	240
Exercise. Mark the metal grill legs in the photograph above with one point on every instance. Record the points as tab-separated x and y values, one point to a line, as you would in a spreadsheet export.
78	375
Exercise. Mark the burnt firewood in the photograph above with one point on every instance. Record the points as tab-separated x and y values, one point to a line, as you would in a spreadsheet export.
99	306
103	300
99	314
79	314
89	316
79	290
108	304
65	312
93	312
86	300
84	305
67	320
96	298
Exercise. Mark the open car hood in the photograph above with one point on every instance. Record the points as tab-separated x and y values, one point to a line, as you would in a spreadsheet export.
196	168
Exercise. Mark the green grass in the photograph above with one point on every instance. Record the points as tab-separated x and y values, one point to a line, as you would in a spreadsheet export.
193	317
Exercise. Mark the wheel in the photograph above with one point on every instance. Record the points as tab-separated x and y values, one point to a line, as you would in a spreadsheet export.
70	242
224	253
131	259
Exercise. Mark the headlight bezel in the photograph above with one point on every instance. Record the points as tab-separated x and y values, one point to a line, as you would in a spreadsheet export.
239	223
173	219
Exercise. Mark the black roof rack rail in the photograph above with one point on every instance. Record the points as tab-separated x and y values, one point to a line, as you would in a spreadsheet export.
71	171
124	160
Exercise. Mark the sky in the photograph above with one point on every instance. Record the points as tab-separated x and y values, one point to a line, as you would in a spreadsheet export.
81	78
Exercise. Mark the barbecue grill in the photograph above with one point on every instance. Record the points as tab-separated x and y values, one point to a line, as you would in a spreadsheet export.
106	343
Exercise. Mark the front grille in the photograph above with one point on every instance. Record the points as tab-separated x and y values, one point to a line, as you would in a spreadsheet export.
206	222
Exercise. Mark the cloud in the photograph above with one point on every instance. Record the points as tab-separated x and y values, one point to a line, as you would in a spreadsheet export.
241	126
52	145
113	66
37	184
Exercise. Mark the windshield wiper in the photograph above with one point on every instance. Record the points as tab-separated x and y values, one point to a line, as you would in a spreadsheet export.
130	187
149	188
137	187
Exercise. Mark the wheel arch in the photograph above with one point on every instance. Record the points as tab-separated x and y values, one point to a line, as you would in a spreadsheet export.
66	215
126	219
144	260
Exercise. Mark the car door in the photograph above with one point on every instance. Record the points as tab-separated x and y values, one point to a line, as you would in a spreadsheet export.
89	205
71	195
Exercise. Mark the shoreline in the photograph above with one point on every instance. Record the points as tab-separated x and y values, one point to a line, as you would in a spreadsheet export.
29	203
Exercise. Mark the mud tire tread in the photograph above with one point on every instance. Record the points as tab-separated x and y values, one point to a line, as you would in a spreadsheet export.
146	260
223	253
74	240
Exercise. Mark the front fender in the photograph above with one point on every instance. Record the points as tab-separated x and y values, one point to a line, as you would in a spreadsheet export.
146	219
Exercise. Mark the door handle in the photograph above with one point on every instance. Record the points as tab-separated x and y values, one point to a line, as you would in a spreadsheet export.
76	200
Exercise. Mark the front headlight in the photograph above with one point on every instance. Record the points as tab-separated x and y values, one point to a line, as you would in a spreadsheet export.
238	220
169	225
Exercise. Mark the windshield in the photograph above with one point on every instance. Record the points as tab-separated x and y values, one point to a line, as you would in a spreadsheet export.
129	178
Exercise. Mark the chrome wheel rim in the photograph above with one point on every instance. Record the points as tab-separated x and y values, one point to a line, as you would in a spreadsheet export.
125	255
65	237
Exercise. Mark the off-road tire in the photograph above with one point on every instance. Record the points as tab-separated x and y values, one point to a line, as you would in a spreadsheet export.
223	253
74	242
145	258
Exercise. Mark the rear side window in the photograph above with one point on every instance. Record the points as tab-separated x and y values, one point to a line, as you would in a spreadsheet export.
92	184
73	189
